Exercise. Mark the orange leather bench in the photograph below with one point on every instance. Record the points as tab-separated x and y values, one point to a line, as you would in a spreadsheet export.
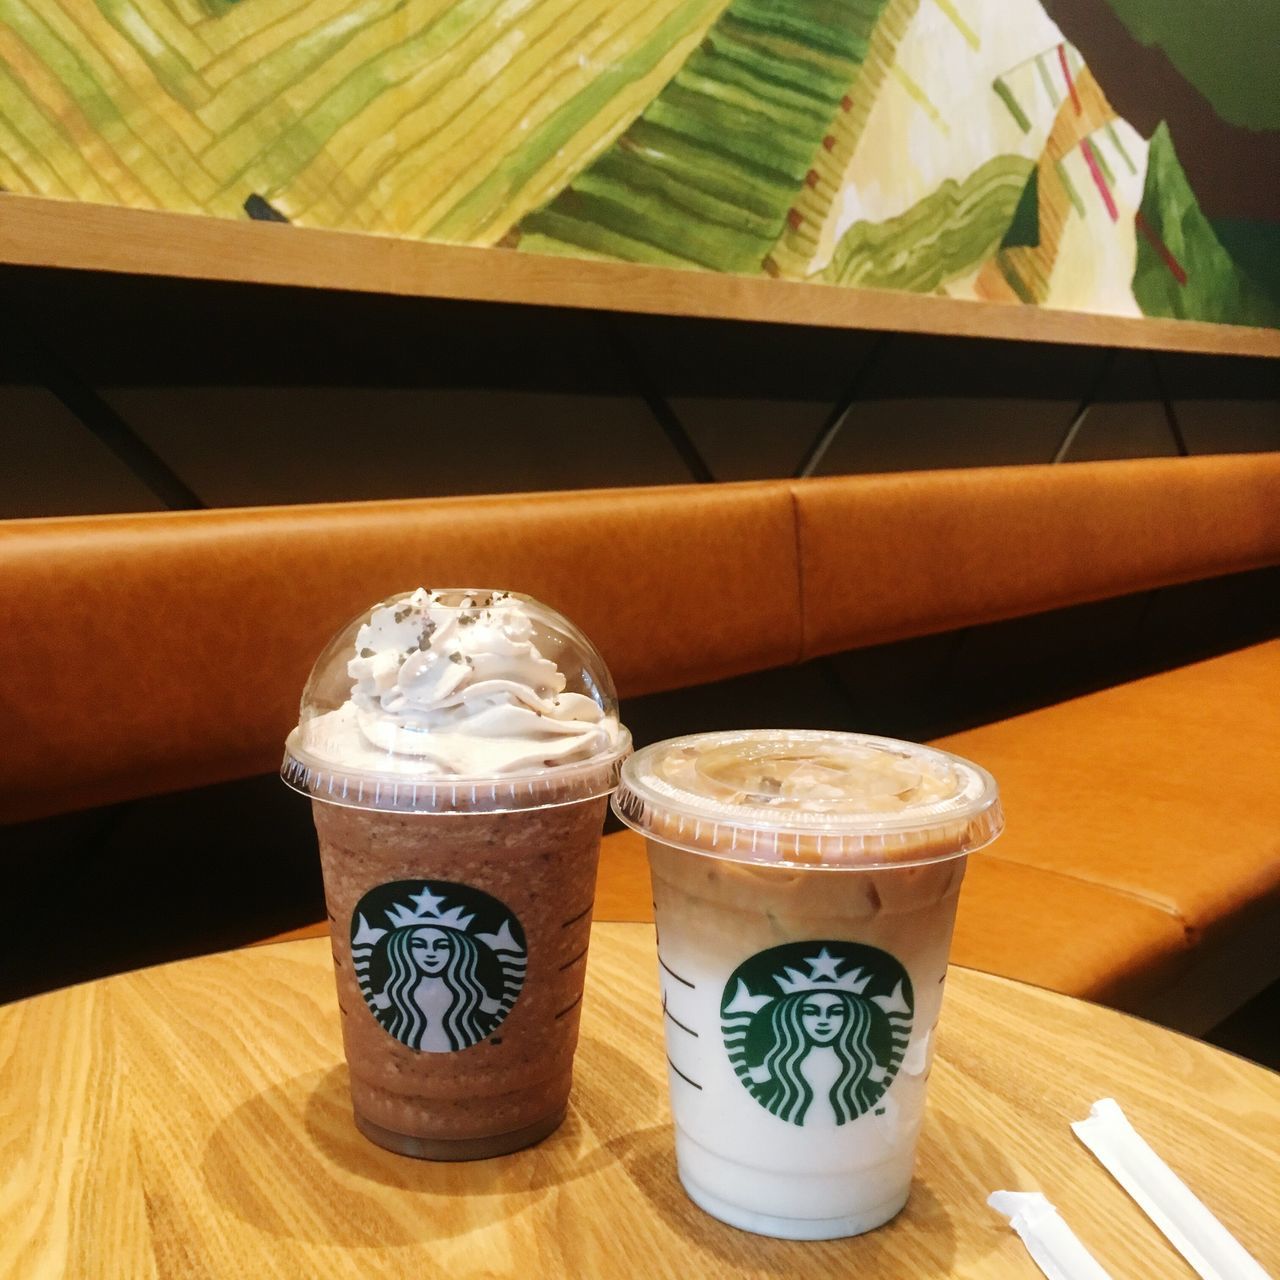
1139	867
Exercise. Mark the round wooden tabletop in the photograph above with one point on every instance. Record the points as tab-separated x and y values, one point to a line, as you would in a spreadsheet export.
193	1120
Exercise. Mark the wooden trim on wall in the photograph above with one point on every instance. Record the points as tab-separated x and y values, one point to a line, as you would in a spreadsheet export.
40	232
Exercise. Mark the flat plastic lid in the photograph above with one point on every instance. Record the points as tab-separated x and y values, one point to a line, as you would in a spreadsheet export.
813	798
457	700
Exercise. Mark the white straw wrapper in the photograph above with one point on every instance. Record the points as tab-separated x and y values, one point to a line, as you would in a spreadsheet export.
1052	1244
1196	1234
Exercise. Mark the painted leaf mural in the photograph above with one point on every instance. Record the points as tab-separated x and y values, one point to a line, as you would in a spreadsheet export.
1084	154
941	237
708	174
433	118
1182	269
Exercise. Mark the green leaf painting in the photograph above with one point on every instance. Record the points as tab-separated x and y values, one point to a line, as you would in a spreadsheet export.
1024	227
708	173
943	236
1182	269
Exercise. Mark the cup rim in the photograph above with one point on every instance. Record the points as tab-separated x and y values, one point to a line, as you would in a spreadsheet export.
387	792
683	819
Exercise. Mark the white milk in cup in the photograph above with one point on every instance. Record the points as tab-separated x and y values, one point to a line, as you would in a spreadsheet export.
805	887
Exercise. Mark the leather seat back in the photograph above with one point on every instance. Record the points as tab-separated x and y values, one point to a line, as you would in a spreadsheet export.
149	653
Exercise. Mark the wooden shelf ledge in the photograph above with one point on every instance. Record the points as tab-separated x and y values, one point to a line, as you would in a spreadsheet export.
39	232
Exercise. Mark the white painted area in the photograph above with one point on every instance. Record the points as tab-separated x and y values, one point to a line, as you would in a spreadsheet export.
904	154
1094	267
965	286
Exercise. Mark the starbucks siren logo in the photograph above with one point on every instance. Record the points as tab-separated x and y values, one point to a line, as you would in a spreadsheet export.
448	968
816	1030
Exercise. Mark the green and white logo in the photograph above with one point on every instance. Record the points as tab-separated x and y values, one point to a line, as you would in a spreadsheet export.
446	969
816	1030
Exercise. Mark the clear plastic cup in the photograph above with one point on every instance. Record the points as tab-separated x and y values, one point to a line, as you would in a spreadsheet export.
805	888
459	748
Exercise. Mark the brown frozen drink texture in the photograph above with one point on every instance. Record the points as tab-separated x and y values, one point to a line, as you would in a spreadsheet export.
459	747
542	866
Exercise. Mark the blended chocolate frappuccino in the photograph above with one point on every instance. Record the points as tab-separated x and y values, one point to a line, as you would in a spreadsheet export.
459	747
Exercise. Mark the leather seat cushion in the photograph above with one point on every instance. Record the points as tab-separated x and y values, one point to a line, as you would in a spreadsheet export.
1166	789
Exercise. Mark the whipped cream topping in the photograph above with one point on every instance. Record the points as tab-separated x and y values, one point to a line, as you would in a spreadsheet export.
454	684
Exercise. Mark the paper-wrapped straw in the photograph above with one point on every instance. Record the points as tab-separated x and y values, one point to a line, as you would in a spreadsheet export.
1196	1234
1052	1244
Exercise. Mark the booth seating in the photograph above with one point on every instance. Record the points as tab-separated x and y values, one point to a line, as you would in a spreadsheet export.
1141	864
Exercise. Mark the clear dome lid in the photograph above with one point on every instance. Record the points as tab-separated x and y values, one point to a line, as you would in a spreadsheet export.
457	700
809	798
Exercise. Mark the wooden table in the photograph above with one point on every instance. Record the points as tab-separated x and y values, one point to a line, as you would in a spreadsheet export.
193	1120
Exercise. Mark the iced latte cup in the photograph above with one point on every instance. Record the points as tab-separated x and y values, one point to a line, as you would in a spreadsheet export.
459	748
805	889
